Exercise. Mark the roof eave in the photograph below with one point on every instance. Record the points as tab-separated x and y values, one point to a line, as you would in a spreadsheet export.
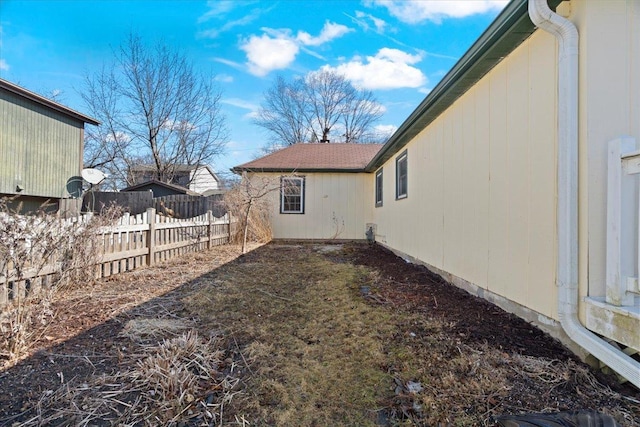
46	102
161	184
506	32
239	170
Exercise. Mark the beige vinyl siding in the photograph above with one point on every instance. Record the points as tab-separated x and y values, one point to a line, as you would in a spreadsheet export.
337	205
39	148
609	108
482	181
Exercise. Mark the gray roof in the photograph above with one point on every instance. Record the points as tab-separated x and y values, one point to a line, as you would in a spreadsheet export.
156	183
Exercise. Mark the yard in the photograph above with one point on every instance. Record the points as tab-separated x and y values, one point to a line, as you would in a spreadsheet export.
294	335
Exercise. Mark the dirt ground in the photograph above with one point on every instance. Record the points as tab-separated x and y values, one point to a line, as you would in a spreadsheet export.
302	334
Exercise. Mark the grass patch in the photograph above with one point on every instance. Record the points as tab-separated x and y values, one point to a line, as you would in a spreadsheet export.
315	346
323	345
298	335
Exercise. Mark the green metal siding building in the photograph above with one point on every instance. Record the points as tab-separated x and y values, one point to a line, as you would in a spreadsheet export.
41	146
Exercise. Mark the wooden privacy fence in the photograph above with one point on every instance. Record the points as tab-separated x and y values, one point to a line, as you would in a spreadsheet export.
135	241
186	206
135	202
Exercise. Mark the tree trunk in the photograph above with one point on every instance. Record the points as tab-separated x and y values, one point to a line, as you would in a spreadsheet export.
246	227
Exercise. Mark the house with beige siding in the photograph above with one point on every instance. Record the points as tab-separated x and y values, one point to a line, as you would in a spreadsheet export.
516	178
41	147
325	190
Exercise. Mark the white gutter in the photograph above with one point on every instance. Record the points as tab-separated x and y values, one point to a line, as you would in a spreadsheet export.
567	215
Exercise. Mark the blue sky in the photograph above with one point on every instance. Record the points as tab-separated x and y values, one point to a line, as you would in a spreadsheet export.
399	49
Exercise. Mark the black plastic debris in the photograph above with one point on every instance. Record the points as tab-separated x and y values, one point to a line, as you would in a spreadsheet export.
559	419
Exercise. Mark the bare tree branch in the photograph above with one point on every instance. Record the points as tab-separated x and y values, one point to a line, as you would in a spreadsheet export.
155	110
317	107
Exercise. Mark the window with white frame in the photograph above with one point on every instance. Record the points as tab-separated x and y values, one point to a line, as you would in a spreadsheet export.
292	195
402	176
379	188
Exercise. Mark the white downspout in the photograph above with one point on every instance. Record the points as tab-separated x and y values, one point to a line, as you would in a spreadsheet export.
567	215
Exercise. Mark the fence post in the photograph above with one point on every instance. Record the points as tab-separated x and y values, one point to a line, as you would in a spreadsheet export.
229	227
209	229
151	238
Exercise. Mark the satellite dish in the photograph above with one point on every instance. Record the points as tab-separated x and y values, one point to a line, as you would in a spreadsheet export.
93	176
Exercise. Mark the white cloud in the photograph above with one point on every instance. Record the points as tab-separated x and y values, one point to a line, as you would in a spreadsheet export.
386	130
216	8
379	23
276	49
240	103
388	69
220	11
415	11
265	54
215	32
119	136
312	53
174	126
361	19
228	62
329	32
381	107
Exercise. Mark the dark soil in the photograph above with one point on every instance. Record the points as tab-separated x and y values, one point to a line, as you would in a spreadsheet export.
415	288
84	340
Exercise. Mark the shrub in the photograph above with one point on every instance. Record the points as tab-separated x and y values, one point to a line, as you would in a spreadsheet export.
40	255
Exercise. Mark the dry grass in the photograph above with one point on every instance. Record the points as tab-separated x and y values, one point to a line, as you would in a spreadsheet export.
310	340
297	335
166	372
139	329
176	381
319	353
29	244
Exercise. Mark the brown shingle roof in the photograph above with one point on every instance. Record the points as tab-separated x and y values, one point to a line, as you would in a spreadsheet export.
318	157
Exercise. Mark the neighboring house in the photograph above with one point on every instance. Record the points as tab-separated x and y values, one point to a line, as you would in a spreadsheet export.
516	178
200	179
41	147
327	192
160	189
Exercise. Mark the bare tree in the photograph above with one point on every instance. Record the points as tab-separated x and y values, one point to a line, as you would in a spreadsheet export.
282	113
358	123
249	201
155	110
324	103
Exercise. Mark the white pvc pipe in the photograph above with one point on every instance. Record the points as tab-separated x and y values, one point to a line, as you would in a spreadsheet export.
567	215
